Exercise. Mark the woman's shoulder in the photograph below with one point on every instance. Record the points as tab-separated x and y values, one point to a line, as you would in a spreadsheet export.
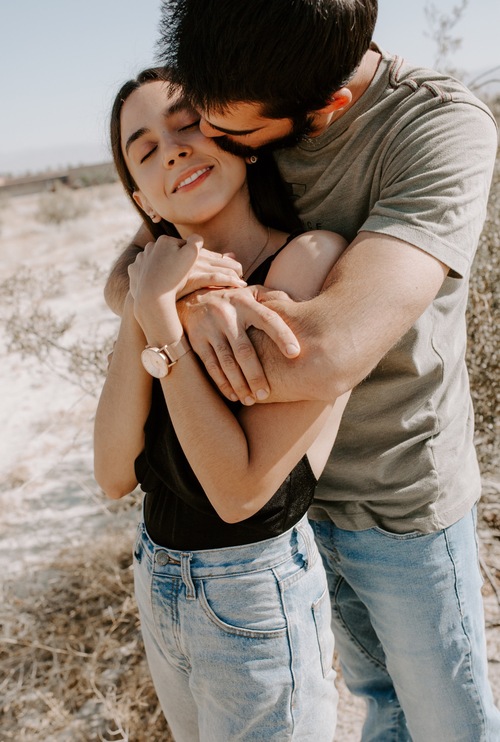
315	242
303	265
301	247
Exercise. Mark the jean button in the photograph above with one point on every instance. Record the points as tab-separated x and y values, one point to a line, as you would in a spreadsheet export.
162	558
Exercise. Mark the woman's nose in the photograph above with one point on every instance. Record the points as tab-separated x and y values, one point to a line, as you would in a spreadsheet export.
174	152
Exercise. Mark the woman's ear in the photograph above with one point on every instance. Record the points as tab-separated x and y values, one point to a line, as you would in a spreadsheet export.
143	203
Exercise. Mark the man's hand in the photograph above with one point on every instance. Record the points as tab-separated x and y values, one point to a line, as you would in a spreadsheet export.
216	323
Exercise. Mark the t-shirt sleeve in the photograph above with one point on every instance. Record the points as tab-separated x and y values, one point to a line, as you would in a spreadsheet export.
435	182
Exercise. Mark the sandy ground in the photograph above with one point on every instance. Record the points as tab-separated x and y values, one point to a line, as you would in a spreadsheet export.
48	498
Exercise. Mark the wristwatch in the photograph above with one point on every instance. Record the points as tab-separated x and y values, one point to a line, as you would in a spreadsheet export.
158	361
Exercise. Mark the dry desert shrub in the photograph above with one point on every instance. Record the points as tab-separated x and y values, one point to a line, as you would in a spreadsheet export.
35	329
71	656
483	323
60	205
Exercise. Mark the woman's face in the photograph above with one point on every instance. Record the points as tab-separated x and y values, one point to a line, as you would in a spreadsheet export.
181	175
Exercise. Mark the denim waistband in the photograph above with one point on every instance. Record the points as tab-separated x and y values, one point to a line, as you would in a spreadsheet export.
233	559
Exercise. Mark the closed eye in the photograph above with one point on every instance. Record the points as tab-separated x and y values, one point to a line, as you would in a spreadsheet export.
148	154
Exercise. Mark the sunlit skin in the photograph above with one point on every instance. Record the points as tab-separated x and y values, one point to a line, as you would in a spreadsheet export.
181	175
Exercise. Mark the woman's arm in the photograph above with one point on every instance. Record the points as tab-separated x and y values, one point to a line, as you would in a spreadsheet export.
240	462
122	410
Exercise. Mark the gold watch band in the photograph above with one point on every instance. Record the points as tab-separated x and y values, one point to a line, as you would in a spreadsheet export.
176	350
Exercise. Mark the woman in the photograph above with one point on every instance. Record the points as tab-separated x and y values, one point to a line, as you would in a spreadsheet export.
231	591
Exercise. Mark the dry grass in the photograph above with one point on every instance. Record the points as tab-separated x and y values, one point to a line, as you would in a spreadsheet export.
72	660
62	205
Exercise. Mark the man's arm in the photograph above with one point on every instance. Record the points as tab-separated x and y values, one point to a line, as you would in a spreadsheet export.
117	285
373	295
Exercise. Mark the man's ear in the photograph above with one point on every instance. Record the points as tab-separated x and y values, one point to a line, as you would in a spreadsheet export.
338	100
143	203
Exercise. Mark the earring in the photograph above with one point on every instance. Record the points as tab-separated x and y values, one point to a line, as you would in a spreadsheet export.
252	160
154	217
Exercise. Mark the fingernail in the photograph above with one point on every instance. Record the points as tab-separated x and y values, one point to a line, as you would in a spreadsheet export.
262	394
233	397
292	350
249	401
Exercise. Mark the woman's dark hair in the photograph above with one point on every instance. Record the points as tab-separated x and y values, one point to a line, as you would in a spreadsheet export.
289	56
268	196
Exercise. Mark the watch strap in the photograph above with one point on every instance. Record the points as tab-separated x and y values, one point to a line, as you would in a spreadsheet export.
176	350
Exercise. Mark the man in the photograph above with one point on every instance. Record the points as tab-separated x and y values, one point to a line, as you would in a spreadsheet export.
398	160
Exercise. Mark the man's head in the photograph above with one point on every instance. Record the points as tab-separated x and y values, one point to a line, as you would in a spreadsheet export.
260	70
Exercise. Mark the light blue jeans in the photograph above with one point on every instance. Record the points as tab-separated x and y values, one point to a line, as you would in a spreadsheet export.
238	640
409	628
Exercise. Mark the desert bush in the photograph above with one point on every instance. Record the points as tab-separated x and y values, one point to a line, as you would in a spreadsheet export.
483	317
60	205
4	202
97	175
34	329
71	656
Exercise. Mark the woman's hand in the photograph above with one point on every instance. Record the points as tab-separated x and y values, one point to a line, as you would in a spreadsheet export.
210	269
163	268
157	276
213	270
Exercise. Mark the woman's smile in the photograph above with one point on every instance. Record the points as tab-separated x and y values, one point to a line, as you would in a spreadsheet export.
194	178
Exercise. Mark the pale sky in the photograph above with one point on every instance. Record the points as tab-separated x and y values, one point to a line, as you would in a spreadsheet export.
62	61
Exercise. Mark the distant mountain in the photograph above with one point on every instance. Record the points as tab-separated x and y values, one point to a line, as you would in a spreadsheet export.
52	158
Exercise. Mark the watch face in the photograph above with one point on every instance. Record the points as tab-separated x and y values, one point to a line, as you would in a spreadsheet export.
154	362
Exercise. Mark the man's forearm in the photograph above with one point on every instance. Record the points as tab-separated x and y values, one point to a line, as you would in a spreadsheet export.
375	293
117	285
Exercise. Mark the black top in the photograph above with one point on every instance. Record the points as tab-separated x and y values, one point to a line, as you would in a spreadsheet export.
178	514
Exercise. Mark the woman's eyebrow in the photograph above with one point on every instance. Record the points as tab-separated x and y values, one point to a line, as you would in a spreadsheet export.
177	107
133	137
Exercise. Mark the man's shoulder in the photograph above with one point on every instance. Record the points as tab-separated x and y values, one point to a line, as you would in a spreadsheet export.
421	82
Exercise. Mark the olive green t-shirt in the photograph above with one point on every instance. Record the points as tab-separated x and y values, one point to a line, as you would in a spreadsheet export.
413	159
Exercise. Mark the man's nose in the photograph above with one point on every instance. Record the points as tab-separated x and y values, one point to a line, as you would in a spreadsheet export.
208	130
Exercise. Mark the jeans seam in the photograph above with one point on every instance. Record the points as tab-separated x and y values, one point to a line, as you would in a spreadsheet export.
470	669
291	655
370	657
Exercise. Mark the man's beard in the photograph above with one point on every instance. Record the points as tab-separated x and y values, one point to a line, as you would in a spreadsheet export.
302	126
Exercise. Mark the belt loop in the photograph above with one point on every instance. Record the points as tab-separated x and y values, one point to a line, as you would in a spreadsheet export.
186	576
309	549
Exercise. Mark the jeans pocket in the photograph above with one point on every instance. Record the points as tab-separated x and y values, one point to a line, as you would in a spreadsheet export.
399	536
246	604
322	620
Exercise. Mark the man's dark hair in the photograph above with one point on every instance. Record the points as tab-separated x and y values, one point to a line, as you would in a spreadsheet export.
287	55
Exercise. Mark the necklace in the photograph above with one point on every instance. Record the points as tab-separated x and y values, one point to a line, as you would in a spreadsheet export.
248	270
